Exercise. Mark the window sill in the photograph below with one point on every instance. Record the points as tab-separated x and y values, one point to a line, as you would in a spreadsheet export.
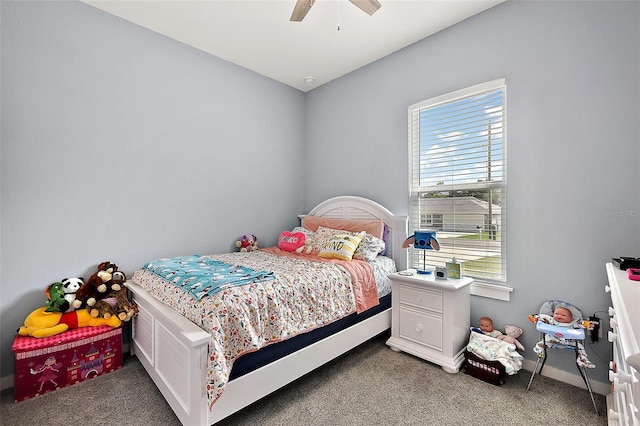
492	291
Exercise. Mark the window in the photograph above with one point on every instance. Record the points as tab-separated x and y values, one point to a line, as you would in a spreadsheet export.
457	166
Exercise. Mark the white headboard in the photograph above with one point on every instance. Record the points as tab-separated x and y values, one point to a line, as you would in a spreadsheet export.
351	207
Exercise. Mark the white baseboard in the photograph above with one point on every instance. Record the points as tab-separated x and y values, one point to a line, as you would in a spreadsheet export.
566	377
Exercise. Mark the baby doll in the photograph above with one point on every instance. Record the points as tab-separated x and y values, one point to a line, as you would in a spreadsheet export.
486	327
562	316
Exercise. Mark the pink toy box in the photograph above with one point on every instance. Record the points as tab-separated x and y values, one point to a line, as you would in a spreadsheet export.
46	364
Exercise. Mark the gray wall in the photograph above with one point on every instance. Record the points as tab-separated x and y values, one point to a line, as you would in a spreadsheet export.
92	105
573	114
120	144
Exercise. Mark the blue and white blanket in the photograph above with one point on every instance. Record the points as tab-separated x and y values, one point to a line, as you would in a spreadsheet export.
201	276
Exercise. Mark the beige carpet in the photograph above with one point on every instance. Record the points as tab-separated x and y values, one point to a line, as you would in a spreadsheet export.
372	385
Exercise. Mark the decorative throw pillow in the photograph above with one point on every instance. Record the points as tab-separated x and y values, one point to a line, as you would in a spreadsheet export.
291	241
385	238
374	227
307	232
323	235
310	238
341	246
369	248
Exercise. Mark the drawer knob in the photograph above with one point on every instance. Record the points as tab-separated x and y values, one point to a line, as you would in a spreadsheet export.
611	311
613	366
607	289
613	323
622	377
613	415
612	337
418	328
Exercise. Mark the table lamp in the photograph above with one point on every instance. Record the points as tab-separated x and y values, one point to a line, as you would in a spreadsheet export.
424	239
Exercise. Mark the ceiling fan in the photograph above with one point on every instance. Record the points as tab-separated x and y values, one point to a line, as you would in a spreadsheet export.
303	6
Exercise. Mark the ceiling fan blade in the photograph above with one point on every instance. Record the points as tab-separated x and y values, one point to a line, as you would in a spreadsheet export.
368	6
300	10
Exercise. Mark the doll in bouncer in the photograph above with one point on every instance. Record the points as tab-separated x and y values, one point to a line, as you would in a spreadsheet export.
562	314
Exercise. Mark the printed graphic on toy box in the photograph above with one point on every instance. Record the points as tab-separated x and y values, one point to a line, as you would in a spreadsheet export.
44	370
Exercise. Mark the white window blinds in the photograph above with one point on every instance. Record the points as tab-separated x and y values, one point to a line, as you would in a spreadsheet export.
457	165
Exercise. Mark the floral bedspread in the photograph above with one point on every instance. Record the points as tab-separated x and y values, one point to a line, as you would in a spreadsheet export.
304	295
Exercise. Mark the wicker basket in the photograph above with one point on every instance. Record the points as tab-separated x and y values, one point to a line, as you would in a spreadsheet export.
489	371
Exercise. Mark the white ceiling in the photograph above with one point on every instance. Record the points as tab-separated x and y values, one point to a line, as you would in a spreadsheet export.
334	39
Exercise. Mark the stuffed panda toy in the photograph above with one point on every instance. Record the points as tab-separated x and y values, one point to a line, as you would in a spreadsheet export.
70	286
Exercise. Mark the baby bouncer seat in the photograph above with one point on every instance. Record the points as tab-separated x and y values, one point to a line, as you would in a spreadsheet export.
562	335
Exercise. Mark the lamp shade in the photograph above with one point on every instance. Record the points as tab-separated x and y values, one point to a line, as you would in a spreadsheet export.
423	239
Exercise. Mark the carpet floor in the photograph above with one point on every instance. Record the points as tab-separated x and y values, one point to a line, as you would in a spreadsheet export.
371	385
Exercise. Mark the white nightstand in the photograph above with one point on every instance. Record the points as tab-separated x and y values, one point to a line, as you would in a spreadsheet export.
430	318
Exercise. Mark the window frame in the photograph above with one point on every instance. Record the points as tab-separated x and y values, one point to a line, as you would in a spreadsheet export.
495	288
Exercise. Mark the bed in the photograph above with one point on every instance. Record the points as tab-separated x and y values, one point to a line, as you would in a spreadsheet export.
175	351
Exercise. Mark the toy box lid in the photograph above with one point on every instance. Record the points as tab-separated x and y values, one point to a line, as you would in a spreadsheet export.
28	343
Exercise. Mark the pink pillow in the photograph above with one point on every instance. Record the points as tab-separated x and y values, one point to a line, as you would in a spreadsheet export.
374	227
290	241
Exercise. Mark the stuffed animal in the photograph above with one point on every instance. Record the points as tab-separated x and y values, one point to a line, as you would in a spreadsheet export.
294	241
247	243
91	291
511	336
106	270
307	248
61	295
70	286
56	301
115	301
105	306
126	310
95	288
118	277
40	323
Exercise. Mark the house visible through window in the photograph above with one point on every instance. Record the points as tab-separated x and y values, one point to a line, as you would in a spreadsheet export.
457	157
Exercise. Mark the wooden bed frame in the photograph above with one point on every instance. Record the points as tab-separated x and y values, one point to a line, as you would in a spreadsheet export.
173	350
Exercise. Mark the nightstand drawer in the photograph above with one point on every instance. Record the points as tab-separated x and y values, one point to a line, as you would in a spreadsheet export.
421	328
421	298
